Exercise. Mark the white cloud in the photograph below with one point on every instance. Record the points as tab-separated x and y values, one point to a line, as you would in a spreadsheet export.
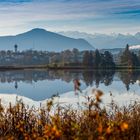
89	16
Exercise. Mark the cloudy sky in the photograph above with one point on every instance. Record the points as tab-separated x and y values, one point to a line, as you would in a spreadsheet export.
91	16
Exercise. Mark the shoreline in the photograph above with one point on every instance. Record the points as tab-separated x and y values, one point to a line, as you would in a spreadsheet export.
12	67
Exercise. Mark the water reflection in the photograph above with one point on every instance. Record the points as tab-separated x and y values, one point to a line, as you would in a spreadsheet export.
16	84
88	77
105	77
129	77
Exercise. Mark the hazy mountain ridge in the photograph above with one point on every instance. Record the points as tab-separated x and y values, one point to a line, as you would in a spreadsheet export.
135	47
40	39
104	41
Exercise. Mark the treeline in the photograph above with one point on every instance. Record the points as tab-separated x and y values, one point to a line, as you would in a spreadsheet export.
84	59
71	58
98	60
126	59
28	57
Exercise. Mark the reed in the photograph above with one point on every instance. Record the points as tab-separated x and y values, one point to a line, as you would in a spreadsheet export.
93	123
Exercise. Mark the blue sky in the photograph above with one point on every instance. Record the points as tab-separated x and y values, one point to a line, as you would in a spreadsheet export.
91	16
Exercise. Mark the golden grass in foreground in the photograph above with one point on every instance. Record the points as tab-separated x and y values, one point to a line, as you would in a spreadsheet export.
93	123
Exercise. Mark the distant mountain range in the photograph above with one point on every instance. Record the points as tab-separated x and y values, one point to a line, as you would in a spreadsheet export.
103	41
40	39
135	47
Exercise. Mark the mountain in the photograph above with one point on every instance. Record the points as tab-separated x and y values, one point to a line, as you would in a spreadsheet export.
103	41
40	39
135	47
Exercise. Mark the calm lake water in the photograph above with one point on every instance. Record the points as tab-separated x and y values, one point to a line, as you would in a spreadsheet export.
41	84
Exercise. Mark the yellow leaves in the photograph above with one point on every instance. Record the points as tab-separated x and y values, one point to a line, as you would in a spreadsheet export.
39	122
21	129
57	134
124	126
27	136
108	130
111	123
101	138
18	126
49	104
11	138
21	122
34	135
54	128
1	108
99	93
50	131
100	128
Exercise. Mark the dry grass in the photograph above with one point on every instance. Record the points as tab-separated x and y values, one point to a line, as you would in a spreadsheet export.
93	123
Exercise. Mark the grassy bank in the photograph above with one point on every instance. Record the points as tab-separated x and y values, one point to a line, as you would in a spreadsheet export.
17	67
23	123
60	67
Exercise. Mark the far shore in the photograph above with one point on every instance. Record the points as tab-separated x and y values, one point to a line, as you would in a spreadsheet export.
18	67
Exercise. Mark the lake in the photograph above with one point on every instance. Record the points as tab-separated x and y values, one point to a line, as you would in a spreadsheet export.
41	84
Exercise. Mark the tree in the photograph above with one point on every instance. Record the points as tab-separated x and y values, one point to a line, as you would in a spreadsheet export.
107	60
97	58
75	53
135	59
86	59
128	58
91	61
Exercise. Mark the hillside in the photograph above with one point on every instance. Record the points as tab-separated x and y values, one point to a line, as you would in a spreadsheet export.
40	39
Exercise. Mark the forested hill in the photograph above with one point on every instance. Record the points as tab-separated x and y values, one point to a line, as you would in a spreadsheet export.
40	39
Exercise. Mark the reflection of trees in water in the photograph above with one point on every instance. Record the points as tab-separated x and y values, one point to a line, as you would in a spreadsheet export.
108	77
129	77
16	85
26	76
29	76
98	77
88	77
65	75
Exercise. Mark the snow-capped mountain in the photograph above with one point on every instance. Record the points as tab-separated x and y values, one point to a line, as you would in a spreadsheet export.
134	47
104	41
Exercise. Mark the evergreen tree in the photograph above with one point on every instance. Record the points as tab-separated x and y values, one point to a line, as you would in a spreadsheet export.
91	59
128	58
135	59
108	59
75	53
88	59
97	58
